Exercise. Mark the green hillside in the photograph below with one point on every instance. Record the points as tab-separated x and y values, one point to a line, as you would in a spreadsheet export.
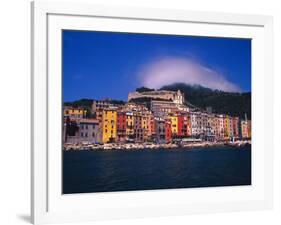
234	104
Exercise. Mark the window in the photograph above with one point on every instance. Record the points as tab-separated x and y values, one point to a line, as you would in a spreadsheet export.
86	134
93	134
86	127
82	134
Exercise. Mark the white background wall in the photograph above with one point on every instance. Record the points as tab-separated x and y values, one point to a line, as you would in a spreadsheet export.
15	109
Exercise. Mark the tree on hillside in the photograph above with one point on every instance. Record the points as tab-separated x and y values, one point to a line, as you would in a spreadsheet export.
144	89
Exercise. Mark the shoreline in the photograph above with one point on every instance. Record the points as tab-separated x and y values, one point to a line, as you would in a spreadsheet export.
151	146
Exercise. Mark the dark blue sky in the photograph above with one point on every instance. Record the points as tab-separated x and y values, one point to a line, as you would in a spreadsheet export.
102	65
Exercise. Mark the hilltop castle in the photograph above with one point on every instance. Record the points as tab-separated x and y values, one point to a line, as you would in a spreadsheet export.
175	96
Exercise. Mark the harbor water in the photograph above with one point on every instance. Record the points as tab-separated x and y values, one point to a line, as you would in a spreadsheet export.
120	170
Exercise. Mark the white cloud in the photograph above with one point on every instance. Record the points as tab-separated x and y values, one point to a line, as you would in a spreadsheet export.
169	70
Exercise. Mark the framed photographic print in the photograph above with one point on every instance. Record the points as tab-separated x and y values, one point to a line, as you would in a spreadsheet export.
148	112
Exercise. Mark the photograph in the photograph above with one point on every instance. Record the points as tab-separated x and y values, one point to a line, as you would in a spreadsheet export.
146	111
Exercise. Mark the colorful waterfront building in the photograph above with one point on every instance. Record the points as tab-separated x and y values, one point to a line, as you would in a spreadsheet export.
174	124
184	128
195	130
249	128
151	127
109	125
160	130
121	126
74	113
168	130
204	124
246	129
226	130
98	114
230	119
220	134
216	127
188	125
181	131
210	127
235	127
138	131
129	125
99	105
145	119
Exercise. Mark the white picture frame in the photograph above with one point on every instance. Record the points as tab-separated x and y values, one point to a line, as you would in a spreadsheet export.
47	203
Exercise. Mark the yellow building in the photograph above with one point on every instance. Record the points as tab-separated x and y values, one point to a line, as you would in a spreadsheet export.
129	124
74	113
145	125
174	122
109	125
144	121
150	128
246	129
226	127
216	126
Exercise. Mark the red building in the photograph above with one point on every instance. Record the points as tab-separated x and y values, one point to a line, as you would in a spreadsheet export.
184	125
151	127
121	126
168	130
138	131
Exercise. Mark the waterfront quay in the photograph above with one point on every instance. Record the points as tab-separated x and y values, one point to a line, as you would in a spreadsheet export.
156	119
145	146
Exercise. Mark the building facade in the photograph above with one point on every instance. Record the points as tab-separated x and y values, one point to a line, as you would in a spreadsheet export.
121	126
168	130
89	131
184	125
174	96
174	124
138	131
109	125
160	130
74	113
246	129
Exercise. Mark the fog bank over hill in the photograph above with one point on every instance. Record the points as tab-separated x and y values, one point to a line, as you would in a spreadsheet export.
168	70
